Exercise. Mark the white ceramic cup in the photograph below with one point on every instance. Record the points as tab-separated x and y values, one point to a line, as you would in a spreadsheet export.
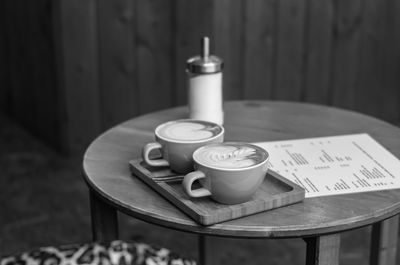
229	172
177	140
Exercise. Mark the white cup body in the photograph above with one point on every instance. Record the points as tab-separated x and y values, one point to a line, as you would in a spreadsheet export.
177	154
227	185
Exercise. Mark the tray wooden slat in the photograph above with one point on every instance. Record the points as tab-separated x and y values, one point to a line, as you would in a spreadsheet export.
274	192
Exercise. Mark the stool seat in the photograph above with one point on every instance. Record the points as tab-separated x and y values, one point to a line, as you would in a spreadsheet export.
113	253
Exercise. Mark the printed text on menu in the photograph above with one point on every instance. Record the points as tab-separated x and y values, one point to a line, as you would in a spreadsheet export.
335	165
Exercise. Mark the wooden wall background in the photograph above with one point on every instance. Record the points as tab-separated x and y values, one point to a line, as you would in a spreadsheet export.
72	68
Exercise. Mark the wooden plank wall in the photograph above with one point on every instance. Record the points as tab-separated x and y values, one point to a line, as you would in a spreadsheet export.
119	59
27	67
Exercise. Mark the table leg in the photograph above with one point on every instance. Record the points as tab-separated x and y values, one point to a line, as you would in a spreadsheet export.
384	242
208	250
104	220
323	250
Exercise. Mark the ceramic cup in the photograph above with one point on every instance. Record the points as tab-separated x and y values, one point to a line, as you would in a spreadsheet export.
177	140
229	172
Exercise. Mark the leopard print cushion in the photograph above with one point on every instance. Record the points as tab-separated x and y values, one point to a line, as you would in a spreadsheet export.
114	253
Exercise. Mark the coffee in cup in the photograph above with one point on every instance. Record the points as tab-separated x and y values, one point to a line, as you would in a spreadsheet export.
177	141
229	172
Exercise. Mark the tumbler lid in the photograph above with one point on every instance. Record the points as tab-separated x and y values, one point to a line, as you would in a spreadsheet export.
204	63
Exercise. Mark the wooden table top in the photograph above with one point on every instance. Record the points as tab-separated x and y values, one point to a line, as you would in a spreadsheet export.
106	170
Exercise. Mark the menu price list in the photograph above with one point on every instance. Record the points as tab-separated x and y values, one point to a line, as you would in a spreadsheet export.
335	165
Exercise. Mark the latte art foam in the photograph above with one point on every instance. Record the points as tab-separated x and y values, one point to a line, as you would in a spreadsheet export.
230	155
188	130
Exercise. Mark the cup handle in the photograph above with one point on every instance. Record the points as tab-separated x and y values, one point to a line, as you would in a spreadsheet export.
188	182
153	162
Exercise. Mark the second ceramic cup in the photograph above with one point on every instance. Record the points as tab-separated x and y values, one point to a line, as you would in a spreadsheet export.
229	172
177	140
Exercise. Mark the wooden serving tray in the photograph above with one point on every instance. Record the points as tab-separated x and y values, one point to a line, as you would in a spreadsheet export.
274	192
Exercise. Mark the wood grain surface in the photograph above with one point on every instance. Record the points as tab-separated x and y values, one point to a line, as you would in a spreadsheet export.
384	242
71	69
323	250
104	220
259	51
274	192
116	67
107	172
289	61
77	71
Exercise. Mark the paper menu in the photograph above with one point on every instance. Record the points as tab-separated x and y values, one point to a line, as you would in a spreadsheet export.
335	165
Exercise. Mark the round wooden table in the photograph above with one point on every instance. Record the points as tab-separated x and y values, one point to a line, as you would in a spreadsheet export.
317	220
